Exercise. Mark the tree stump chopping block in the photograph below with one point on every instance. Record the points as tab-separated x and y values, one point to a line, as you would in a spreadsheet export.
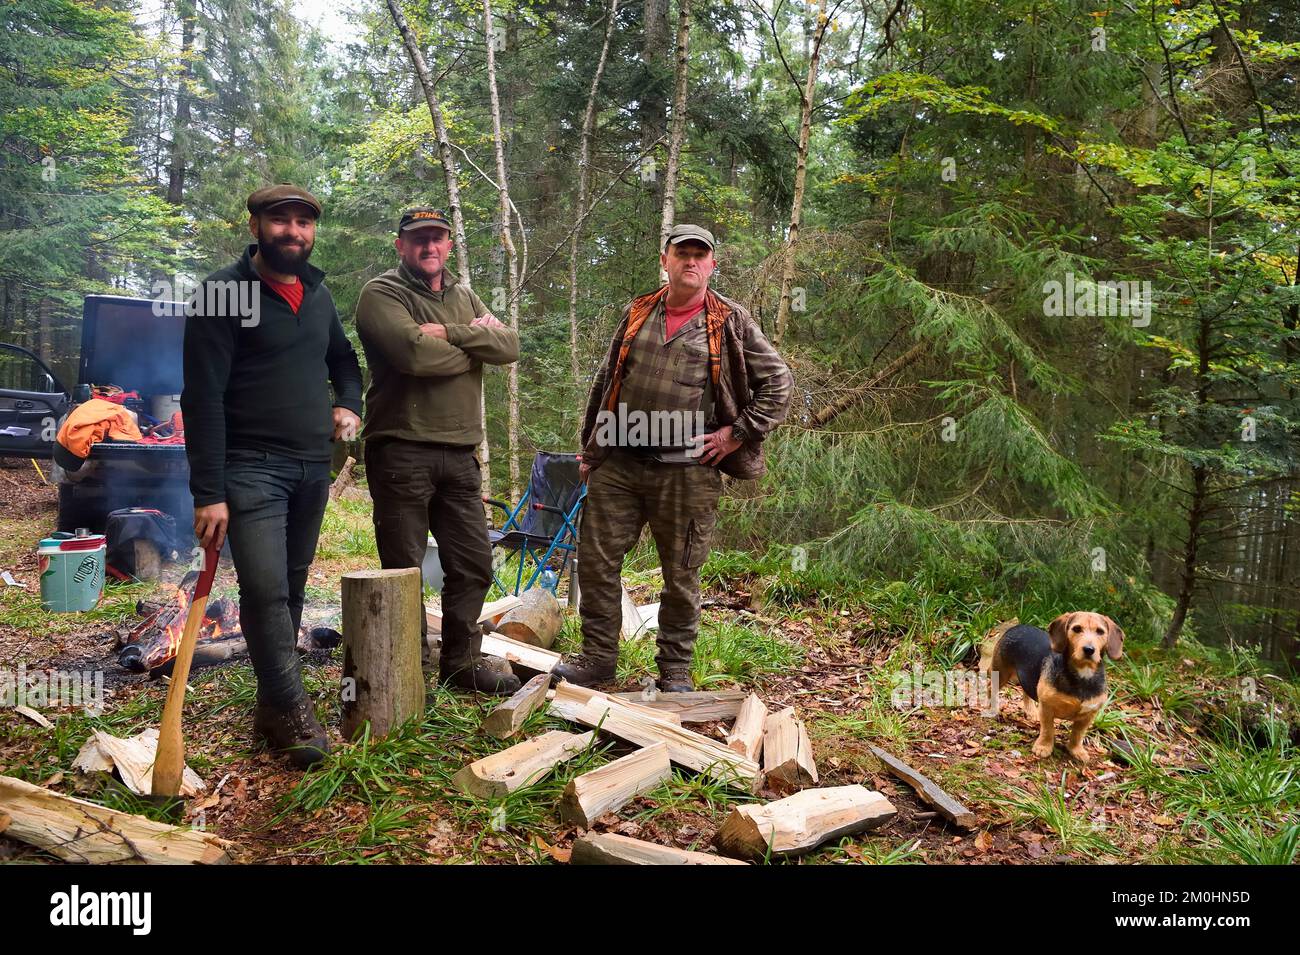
382	680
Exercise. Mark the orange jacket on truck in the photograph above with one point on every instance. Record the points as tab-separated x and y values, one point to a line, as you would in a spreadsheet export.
93	421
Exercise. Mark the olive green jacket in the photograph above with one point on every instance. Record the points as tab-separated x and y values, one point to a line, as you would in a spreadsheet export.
423	388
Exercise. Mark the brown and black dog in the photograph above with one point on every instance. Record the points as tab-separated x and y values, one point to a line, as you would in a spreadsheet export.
1061	672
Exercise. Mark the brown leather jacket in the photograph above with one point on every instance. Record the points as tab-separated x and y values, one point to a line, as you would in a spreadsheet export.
753	392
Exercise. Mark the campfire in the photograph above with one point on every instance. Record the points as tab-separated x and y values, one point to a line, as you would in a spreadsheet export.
150	646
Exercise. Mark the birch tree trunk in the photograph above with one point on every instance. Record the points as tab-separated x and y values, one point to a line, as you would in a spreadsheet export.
678	135
181	119
800	174
584	177
448	161
652	105
508	245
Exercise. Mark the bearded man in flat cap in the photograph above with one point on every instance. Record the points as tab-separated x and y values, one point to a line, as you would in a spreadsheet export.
263	346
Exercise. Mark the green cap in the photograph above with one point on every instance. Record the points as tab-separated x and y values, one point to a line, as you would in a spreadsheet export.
422	217
268	197
690	233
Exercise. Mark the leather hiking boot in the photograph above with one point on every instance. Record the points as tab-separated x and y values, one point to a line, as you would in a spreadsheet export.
584	671
675	680
479	676
294	731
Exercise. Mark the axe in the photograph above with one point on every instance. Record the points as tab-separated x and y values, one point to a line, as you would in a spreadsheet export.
169	762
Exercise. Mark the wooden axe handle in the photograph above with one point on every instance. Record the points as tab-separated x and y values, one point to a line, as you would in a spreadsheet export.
169	762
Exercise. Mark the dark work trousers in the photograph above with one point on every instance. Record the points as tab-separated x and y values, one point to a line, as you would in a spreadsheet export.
680	503
276	504
418	488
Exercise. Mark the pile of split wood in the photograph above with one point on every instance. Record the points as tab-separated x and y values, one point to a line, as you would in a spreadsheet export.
764	750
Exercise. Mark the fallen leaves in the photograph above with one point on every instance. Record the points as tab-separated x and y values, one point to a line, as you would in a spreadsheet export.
558	853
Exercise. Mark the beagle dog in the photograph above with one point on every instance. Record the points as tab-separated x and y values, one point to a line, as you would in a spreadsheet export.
1061	672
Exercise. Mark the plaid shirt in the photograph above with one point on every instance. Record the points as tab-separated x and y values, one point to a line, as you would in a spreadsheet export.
666	376
753	391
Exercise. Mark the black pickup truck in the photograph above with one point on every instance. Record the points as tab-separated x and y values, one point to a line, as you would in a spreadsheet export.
132	343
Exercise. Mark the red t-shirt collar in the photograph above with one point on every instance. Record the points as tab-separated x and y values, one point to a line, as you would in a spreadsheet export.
675	318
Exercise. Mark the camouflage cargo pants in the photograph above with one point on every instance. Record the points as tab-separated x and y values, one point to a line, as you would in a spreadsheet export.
680	503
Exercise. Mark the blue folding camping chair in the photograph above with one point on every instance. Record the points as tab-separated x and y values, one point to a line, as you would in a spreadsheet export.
541	531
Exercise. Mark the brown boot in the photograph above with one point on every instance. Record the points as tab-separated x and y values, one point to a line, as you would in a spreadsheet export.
675	679
480	676
295	731
584	671
461	664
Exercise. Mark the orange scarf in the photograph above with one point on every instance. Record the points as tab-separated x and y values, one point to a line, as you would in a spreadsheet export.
715	315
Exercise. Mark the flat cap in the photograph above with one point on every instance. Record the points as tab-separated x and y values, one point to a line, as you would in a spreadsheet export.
268	197
690	233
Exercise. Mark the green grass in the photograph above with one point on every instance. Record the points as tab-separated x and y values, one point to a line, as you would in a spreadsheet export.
377	799
1146	682
693	793
1114	717
1047	806
878	722
21	609
114	795
1237	804
1230	841
413	766
1234	776
865	851
347	531
730	652
726	652
52	750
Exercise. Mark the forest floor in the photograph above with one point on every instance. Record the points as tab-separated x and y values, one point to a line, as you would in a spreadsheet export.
1206	778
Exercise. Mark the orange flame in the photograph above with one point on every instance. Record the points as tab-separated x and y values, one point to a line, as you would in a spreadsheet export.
170	624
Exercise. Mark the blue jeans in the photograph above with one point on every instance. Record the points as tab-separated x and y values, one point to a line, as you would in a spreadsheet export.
276	504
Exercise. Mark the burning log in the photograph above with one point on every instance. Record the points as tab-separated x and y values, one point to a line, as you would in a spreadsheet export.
207	653
151	645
